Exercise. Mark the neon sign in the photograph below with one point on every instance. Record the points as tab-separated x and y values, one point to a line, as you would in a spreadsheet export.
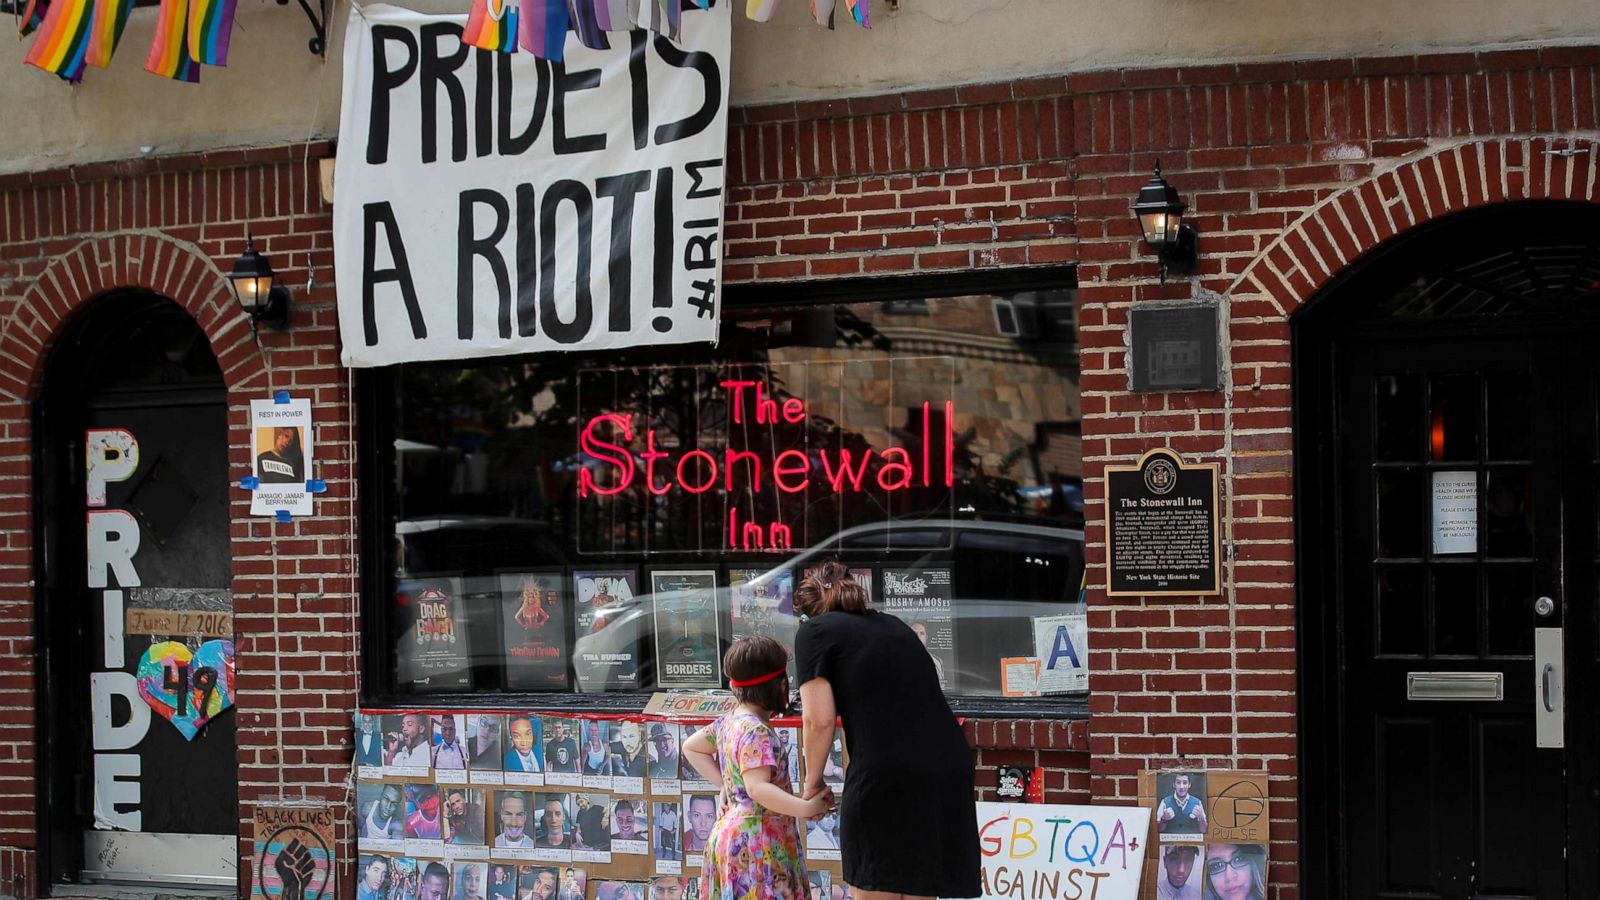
609	439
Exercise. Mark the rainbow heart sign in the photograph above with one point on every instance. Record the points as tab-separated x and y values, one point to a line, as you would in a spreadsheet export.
187	688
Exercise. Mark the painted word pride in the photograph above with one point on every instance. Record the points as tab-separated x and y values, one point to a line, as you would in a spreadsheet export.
609	440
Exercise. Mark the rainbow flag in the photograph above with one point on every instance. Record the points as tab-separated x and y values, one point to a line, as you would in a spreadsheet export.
661	16
32	17
858	11
586	19
822	11
63	39
542	28
760	10
169	51
210	28
614	15
105	30
492	25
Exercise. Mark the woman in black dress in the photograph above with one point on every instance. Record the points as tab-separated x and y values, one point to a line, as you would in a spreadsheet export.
908	825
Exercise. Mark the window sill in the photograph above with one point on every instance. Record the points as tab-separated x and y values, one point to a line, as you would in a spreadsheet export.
1075	707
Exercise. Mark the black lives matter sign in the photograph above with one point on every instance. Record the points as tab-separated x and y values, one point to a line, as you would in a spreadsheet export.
491	203
1161	527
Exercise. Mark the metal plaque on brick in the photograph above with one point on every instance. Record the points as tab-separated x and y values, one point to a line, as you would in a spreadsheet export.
1173	348
1161	527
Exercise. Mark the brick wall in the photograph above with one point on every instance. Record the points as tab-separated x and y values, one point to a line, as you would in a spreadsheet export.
175	226
1292	171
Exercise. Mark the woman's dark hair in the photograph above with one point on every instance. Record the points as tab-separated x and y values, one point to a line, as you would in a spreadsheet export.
836	590
753	657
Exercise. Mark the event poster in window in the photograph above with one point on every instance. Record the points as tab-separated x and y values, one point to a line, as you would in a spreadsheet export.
688	645
433	654
533	621
921	598
606	654
758	605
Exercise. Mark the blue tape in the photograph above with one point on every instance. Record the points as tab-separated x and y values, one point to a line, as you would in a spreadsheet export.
284	517
280	397
250	482
316	486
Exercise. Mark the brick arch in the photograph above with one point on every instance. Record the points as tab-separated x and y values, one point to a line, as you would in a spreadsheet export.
175	269
1444	178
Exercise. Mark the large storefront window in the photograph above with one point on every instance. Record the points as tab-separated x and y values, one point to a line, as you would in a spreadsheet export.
610	522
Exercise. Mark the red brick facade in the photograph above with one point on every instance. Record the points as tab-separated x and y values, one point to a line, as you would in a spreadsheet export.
1291	170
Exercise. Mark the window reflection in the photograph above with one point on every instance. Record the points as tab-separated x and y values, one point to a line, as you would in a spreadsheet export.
935	439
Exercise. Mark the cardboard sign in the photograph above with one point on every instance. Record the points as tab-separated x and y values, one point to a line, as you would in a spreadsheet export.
1043	851
493	203
1227	819
293	852
690	705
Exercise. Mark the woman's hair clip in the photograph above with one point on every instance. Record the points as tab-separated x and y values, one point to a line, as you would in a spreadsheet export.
827	585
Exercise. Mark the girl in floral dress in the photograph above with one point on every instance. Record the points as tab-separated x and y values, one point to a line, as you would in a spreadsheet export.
753	852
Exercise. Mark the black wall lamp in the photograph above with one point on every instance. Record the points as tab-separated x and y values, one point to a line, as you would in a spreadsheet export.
263	301
1160	213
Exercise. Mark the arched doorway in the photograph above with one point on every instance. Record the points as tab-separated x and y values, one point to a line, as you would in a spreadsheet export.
1447	398
137	759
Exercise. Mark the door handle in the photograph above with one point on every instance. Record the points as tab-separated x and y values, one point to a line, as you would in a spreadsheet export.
1549	708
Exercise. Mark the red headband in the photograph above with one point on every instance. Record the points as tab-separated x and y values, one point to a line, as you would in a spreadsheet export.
749	682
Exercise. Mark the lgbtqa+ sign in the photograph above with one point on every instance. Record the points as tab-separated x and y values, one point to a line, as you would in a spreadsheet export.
1052	852
497	203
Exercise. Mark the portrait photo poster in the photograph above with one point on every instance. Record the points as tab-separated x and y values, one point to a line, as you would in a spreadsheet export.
281	448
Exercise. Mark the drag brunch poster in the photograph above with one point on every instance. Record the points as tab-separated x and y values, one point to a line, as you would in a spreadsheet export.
533	608
1057	852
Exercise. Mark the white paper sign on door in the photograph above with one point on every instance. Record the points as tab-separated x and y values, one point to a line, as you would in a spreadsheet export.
1455	512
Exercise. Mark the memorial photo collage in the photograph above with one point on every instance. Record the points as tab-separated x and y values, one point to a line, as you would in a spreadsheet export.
489	804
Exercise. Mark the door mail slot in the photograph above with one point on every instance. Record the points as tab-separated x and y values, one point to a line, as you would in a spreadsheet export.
1455	686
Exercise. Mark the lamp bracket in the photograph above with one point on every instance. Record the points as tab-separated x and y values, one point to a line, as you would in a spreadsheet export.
1178	257
318	44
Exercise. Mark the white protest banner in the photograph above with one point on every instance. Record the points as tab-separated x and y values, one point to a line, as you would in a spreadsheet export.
490	203
1056	852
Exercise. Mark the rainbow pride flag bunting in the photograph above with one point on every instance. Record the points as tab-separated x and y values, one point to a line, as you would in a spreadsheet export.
492	25
63	39
32	17
858	11
586	19
661	16
105	30
542	28
169	51
822	11
614	15
210	28
760	10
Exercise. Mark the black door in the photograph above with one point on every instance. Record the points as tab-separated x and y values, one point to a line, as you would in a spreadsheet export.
1453	487
140	762
1448	532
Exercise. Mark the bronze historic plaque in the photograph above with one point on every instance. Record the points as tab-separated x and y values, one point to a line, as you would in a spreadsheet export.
1161	527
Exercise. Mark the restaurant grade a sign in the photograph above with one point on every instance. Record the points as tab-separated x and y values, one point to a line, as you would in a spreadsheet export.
496	203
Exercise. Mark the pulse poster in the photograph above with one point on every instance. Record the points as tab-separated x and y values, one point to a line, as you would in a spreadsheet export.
433	655
606	653
921	598
533	622
688	638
